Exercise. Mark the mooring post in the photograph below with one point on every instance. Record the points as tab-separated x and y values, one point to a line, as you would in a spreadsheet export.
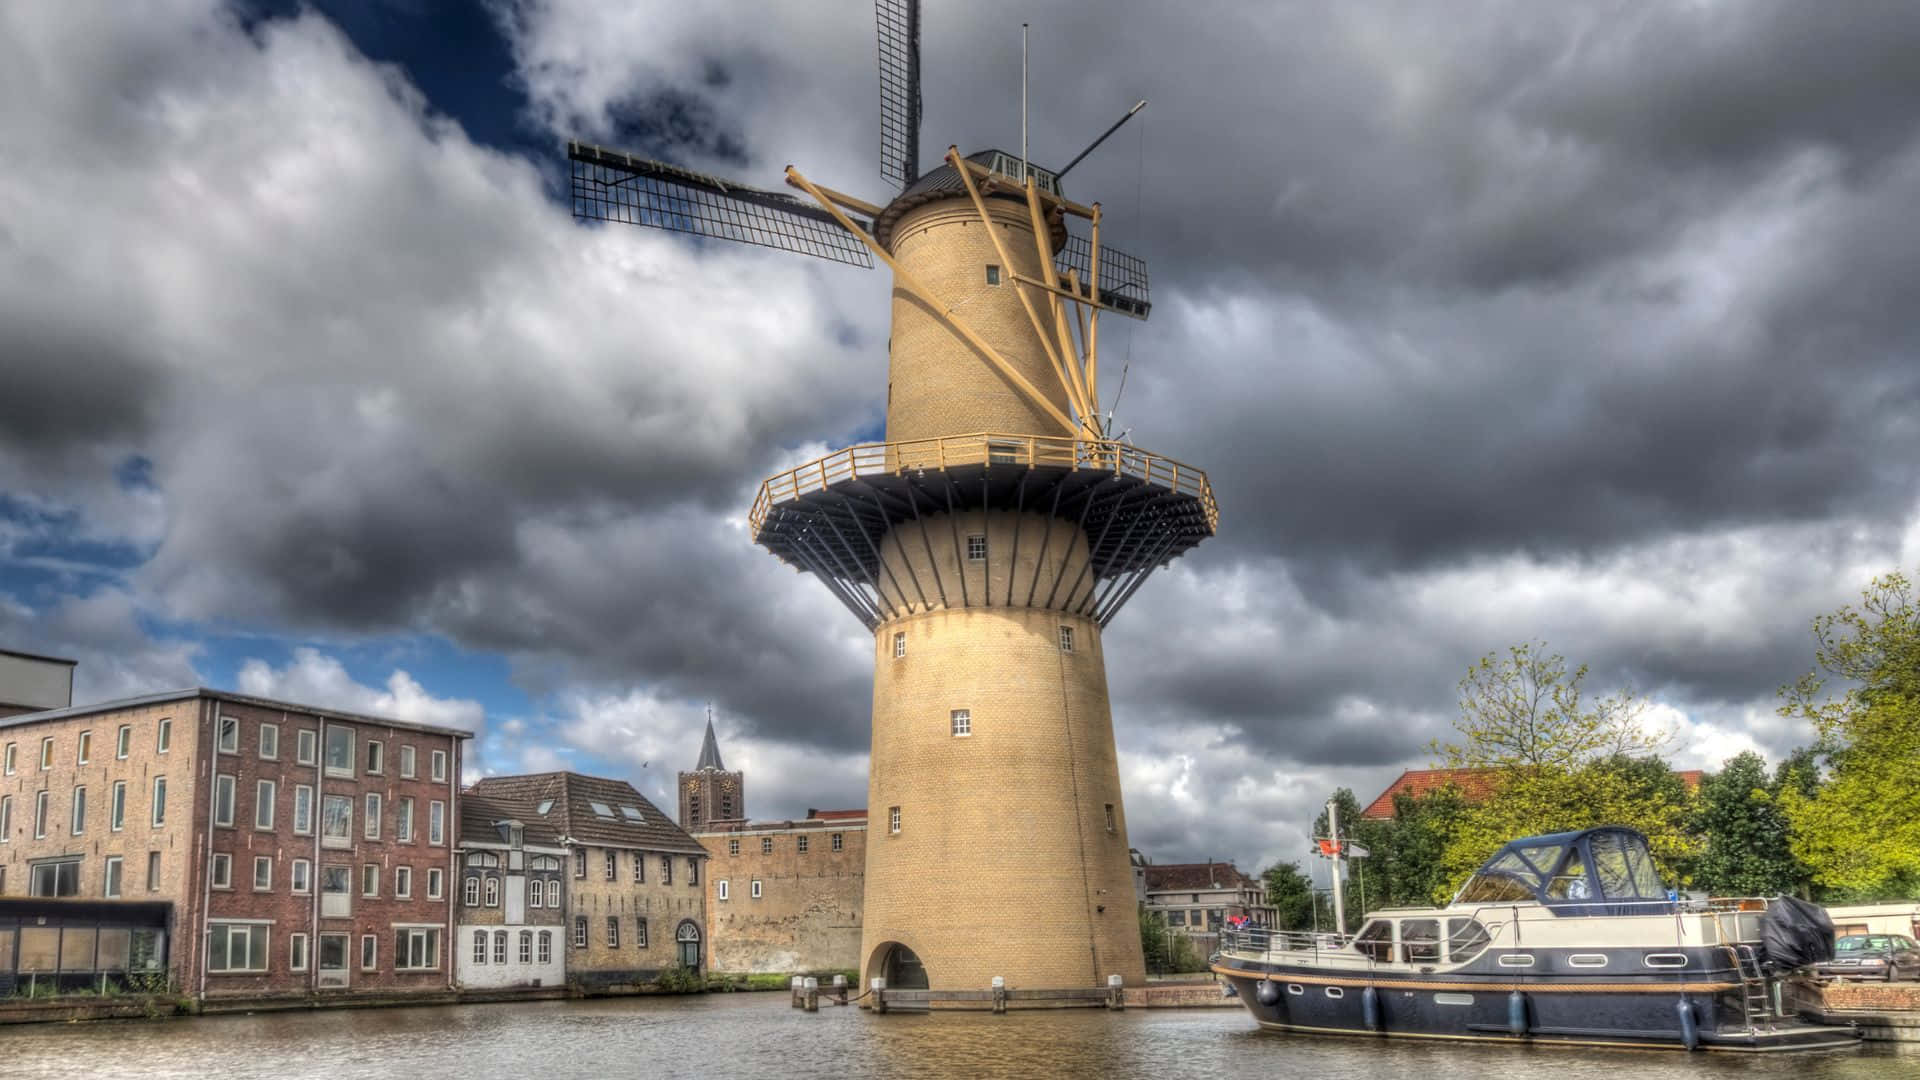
1000	994
794	987
1116	997
811	990
839	989
878	988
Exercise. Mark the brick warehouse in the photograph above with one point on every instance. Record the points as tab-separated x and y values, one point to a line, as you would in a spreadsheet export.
786	896
295	849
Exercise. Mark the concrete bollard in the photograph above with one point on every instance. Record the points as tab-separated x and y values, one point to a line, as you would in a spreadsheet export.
794	987
839	989
1116	995
811	991
1000	994
878	988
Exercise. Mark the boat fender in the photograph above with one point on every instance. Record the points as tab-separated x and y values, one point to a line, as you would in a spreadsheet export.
1370	1008
1267	992
1689	1029
1517	1013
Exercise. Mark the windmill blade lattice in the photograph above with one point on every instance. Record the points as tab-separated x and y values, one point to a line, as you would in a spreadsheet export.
1123	277
899	23
611	186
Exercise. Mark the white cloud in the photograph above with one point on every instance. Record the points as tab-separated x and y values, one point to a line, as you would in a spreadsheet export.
312	677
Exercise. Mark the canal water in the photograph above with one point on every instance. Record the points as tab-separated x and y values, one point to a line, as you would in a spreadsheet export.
752	1035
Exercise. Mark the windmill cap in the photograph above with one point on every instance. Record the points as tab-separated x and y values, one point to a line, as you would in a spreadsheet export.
944	183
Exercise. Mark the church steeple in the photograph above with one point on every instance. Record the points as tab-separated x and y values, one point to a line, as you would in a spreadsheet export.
710	793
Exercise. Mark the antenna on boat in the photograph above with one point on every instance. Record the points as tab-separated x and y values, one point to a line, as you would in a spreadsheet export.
1339	900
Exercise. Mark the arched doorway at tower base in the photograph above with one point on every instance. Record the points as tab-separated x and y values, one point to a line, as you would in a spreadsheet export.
899	965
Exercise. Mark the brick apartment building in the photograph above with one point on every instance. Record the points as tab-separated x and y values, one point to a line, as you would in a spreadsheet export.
786	896
635	905
512	922
30	682
278	848
1198	898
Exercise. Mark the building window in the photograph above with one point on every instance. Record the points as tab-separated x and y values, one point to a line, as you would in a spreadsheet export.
370	880
262	873
376	757
553	893
766	845
236	947
8	757
55	877
163	737
976	547
153	871
800	844
471	893
84	751
159	801
666	869
403	821
640	933
222	872
839	841
117	807
499	946
613	864
110	884
78	824
993	274
1066	639
546	946
296	952
962	722
434	880
492	890
536	894
720	888
733	846
526	946
406	762
403	882
122	742
899	644
1110	822
302	810
229	738
6	819
339	751
893	820
305	743
693	870
754	888
40	816
270	742
436	823
336	892
265	793
300	878
369	952
613	932
370	827
223	800
440	766
479	946
336	821
580	863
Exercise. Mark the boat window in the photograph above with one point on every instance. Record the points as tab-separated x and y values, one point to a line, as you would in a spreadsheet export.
1571	882
1335	992
1544	857
1486	888
1510	862
1646	878
1624	868
1420	941
1376	940
1466	939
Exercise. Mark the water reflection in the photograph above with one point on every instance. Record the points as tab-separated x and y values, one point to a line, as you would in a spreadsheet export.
759	1035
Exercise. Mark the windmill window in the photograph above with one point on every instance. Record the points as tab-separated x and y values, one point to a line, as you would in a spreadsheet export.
899	644
1066	639
962	721
977	547
993	274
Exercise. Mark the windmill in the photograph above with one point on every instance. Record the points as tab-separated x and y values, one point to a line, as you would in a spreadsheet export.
986	543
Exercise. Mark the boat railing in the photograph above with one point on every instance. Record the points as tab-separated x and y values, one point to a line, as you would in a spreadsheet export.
1724	910
1262	939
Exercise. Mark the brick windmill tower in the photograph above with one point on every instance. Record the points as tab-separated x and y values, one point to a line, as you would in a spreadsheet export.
986	543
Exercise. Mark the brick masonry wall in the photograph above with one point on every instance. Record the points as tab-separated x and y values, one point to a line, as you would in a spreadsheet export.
137	836
807	918
1870	997
664	905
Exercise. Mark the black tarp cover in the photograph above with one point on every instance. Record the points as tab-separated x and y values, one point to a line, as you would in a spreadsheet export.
1795	933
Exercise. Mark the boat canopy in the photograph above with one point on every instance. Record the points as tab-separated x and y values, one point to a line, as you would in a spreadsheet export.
1604	871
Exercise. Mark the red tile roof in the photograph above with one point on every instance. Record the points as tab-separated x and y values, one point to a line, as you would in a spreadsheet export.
1474	785
569	799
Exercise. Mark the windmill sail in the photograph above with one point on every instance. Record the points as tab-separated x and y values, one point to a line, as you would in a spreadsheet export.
1123	277
899	22
611	186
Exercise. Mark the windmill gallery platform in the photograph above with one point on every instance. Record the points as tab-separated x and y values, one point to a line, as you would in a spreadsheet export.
986	544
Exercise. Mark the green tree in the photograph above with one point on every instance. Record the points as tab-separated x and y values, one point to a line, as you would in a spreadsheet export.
1525	710
1290	892
1859	832
1745	832
1408	860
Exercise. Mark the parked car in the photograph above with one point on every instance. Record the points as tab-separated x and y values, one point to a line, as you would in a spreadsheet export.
1872	956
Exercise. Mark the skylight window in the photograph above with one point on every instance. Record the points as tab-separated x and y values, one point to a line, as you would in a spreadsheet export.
601	809
632	812
545	805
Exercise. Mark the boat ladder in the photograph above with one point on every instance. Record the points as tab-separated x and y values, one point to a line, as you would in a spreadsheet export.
1755	999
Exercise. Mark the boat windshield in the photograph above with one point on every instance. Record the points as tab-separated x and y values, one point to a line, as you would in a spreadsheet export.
1625	867
1494	888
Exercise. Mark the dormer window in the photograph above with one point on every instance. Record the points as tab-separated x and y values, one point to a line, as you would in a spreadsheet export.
545	805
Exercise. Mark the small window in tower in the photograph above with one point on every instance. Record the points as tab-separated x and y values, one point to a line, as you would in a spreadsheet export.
893	820
1110	825
1066	639
993	274
962	721
899	644
977	546
733	848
